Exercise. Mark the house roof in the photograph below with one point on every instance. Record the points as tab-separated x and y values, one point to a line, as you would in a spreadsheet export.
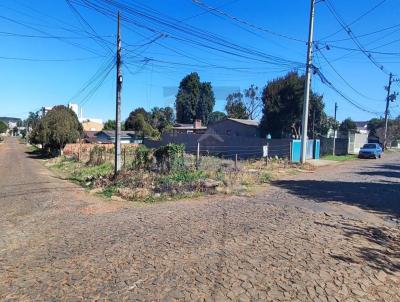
90	134
244	121
111	133
361	124
187	127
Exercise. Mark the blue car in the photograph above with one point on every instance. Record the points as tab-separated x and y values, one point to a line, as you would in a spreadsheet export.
371	150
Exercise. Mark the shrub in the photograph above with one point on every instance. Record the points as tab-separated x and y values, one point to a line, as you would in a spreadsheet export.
170	157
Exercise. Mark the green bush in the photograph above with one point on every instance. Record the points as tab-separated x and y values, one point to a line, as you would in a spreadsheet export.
185	176
170	157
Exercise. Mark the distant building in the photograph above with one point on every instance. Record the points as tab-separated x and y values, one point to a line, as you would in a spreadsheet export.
108	137
196	128
236	127
362	127
89	125
12	124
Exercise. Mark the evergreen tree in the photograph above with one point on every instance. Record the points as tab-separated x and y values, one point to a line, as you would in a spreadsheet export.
235	106
194	100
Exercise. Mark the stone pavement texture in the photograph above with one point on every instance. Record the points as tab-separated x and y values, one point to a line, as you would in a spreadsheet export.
315	237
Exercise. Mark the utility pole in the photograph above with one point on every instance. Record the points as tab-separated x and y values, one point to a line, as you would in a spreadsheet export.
334	131
387	109
304	121
117	162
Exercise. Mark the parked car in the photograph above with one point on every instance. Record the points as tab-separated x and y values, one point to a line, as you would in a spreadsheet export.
371	150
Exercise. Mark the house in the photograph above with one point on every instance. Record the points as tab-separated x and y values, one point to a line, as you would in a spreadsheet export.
196	128
89	125
12	125
235	127
108	137
362	127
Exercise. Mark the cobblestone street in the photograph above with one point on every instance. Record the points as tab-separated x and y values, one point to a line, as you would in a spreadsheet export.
330	236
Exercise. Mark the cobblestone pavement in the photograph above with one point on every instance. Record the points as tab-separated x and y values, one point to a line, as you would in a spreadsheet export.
309	238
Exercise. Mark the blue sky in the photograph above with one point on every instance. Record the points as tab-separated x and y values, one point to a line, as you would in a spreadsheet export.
48	52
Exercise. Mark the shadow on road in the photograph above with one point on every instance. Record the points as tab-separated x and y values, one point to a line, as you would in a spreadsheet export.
379	197
384	251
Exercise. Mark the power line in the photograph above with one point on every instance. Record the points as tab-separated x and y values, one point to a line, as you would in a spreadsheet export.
344	80
326	82
348	30
242	21
356	20
48	60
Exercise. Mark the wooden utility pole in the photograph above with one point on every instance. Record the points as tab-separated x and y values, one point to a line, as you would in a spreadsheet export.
117	163
334	132
387	109
304	122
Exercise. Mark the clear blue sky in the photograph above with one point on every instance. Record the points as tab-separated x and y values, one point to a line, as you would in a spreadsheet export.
48	52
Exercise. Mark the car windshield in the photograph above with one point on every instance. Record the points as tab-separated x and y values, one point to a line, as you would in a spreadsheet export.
369	146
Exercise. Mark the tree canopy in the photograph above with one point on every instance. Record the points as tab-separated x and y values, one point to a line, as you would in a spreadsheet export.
195	100
152	123
282	108
216	116
3	127
347	126
59	127
235	107
109	125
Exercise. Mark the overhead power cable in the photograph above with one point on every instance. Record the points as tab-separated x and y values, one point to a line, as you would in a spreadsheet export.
326	82
356	20
344	80
348	30
242	21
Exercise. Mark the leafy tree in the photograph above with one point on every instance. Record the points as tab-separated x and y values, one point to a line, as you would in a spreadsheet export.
59	127
246	105
347	126
130	121
374	124
109	125
194	100
3	127
216	116
139	120
162	118
283	104
235	106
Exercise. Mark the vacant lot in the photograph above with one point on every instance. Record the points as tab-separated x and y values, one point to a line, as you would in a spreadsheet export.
325	236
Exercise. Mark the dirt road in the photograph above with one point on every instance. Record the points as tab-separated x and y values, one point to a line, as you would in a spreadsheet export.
325	236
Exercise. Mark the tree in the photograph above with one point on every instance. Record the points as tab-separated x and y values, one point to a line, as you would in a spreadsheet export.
205	103
109	125
3	127
347	126
246	105
130	121
282	107
194	100
253	102
374	124
139	120
216	116
162	118
235	107
59	127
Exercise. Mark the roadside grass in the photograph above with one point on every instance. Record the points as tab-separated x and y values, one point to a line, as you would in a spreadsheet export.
340	157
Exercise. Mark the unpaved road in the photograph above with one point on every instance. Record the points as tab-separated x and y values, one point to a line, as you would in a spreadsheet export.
325	236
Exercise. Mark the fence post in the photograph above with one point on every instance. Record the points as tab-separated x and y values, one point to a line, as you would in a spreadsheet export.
290	151
124	158
198	156
236	159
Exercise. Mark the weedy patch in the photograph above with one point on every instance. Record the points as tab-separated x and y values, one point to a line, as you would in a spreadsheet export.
168	173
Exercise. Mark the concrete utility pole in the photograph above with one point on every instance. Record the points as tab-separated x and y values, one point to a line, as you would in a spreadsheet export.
387	109
334	132
304	121
117	163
